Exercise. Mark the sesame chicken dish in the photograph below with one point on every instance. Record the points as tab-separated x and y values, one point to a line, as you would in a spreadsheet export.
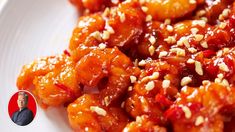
143	66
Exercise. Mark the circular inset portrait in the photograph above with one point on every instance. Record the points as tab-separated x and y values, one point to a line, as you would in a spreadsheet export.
22	108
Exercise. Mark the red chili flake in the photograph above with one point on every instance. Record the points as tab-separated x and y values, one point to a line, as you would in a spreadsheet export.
228	60
212	69
66	89
174	113
208	53
163	100
66	52
232	21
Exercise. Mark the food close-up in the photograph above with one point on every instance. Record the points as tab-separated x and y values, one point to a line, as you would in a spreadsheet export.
142	66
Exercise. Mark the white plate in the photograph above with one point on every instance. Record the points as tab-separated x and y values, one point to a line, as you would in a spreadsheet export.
31	29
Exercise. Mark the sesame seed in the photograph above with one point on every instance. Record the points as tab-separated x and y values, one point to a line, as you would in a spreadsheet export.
221	17
152	39
219	53
167	21
98	110
178	51
96	35
169	28
138	119
185	81
198	37
183	41
199	22
106	12
204	19
192	50
162	54
144	8
190	61
194	30
170	40
220	76
217	80
200	13
122	104
198	68
166	83
142	63
204	44
106	35
223	67
187	112
222	25
106	101
102	46
133	79
192	1
130	88
142	1
225	83
122	16
155	75
226	50
148	18
205	82
226	12
151	50
109	28
150	85
199	121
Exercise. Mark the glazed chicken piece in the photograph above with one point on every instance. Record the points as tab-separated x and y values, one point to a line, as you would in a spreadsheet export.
205	108
143	124
53	80
109	70
89	114
117	26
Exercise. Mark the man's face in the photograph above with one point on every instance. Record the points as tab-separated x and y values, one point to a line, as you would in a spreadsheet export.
21	101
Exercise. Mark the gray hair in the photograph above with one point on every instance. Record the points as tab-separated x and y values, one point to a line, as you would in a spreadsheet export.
25	95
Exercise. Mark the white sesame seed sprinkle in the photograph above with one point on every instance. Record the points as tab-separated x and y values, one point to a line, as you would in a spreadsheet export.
162	54
190	61
204	44
133	79
198	37
148	18
102	46
170	40
144	8
187	112
223	67
192	50
142	63
199	120
166	83
106	35
98	110
150	86
151	50
198	68
185	81
96	35
169	28
194	30
152	39
192	1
